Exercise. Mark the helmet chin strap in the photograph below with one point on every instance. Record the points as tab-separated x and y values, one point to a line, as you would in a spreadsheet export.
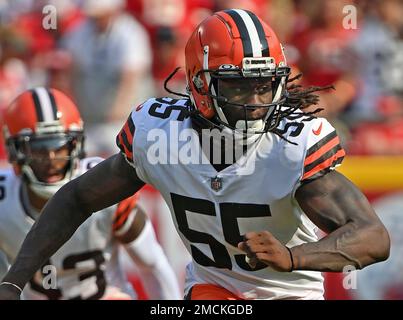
252	125
43	189
276	97
248	134
47	190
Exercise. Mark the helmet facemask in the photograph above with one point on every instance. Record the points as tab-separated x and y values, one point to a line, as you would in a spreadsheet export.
258	76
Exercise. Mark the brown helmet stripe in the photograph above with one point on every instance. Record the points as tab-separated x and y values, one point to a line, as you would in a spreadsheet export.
252	33
37	104
52	103
243	31
45	105
260	32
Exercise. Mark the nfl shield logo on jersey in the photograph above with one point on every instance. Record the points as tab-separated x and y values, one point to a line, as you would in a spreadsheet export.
216	183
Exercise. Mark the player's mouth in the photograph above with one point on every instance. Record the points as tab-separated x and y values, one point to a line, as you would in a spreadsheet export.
239	115
52	178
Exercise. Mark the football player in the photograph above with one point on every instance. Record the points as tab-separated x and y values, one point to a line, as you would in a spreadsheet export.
44	136
248	223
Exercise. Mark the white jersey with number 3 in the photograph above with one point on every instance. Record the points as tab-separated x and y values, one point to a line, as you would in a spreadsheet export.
85	267
213	210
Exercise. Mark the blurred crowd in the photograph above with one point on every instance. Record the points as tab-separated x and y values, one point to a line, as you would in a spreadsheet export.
110	55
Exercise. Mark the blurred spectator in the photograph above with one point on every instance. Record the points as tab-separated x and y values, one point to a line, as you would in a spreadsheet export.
325	56
279	11
379	47
10	10
168	54
165	21
170	23
13	72
43	41
256	6
110	72
379	103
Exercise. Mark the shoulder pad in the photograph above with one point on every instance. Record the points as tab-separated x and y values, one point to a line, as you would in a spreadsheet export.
323	151
149	115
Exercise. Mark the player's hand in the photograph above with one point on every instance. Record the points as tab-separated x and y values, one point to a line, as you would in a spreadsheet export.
8	292
264	247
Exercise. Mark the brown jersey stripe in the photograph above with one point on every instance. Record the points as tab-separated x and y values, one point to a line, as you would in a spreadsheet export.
321	143
325	148
123	207
324	171
128	130
327	155
129	134
122	220
131	125
123	148
126	135
126	142
123	211
326	165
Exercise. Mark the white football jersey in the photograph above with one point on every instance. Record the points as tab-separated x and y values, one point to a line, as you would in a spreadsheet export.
213	210
86	266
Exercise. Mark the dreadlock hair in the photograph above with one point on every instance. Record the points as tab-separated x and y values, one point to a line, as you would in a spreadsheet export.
298	98
304	98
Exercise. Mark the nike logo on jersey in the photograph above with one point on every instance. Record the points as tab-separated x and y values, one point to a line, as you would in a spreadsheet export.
318	131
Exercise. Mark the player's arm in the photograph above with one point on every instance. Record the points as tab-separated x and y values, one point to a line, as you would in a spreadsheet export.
133	229
104	185
356	236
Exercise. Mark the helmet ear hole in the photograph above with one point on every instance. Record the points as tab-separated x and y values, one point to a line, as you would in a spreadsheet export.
198	83
79	145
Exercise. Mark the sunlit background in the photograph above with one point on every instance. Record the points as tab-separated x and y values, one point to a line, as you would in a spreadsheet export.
110	55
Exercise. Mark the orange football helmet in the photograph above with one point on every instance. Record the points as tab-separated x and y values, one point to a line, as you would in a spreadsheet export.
234	44
42	119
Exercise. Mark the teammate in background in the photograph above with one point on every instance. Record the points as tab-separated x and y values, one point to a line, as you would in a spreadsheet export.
45	144
248	223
